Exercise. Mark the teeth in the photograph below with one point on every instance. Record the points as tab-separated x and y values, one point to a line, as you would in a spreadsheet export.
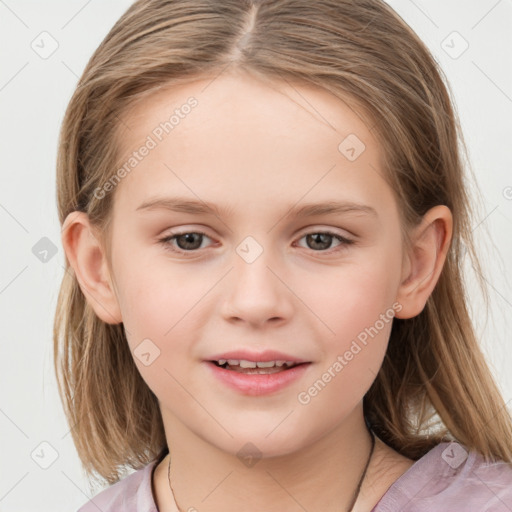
267	364
247	364
243	363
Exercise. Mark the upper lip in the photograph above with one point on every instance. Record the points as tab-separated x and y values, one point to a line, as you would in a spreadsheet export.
263	356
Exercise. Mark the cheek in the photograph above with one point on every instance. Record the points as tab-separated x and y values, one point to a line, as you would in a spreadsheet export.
357	306
359	312
156	297
354	297
160	305
158	310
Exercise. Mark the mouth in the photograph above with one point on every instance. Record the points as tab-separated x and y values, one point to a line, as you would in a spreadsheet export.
255	367
256	373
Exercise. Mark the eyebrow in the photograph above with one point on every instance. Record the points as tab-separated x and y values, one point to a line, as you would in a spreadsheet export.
197	207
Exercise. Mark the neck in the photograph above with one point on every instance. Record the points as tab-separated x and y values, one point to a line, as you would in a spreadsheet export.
324	475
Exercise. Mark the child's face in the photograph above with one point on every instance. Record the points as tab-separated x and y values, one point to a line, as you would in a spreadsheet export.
255	282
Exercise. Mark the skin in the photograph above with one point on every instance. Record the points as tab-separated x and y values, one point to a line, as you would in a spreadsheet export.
258	149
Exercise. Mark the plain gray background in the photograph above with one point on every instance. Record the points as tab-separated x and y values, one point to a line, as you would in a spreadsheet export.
34	90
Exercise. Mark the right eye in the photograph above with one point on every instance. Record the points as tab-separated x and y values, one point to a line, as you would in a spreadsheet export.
187	241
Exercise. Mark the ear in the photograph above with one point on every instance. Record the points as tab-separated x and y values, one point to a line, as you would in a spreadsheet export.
88	260
430	241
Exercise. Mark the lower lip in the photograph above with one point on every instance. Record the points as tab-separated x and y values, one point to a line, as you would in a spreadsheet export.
256	384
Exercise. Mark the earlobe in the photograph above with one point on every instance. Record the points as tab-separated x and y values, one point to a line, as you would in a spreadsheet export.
88	260
430	241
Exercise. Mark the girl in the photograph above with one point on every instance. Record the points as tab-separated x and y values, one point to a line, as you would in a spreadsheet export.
264	214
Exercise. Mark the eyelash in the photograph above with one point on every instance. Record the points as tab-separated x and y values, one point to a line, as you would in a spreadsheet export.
167	239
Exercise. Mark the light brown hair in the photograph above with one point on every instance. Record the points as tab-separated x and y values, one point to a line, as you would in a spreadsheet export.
363	53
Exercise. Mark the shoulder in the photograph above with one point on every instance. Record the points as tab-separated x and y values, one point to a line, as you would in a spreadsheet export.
451	477
131	494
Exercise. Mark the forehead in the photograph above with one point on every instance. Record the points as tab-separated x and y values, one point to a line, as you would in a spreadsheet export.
236	137
228	98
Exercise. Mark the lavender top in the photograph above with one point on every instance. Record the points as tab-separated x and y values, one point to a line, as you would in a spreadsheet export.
447	478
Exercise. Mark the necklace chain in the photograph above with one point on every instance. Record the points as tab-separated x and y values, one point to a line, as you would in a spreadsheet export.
354	498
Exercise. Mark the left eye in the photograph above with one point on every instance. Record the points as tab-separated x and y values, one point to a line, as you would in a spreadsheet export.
190	241
323	239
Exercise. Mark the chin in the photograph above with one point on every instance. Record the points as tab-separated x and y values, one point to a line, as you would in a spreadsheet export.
259	444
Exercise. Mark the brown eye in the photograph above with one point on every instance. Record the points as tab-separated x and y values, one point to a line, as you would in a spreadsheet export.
189	241
322	241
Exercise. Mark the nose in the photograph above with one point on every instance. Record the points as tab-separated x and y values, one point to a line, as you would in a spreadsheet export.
257	293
